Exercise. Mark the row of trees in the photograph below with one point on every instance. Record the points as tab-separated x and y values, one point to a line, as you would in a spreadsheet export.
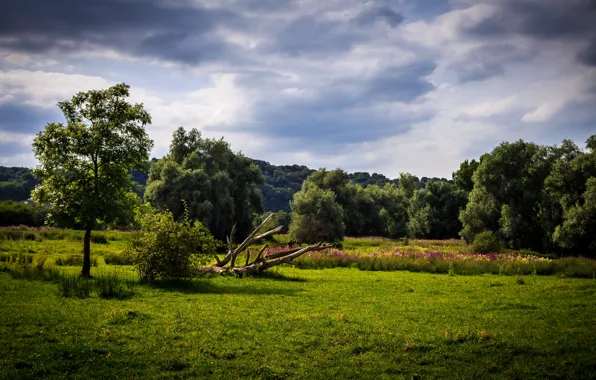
330	206
16	184
530	196
537	197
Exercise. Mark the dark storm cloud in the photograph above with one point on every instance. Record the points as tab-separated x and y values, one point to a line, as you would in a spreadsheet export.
542	20
588	55
488	61
311	35
25	119
545	19
145	27
379	13
401	84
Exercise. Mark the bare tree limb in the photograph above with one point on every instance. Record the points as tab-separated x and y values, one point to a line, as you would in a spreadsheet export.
262	261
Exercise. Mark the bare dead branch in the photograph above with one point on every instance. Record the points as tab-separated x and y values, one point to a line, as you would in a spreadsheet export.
262	261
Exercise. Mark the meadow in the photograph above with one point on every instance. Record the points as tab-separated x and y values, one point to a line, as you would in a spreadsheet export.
294	322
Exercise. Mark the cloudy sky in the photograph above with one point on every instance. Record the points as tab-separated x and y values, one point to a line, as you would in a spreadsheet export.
381	86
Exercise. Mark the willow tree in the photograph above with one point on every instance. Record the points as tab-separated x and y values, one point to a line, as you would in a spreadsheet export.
85	163
216	184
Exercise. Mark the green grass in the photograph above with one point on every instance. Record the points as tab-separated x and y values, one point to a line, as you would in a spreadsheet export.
289	323
336	323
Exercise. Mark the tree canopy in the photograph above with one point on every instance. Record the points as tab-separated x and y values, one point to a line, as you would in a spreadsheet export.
84	164
217	184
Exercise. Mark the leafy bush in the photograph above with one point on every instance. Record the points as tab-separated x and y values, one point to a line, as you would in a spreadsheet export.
168	249
486	242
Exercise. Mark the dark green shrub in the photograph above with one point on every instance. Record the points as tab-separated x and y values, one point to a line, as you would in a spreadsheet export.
168	249
486	242
99	239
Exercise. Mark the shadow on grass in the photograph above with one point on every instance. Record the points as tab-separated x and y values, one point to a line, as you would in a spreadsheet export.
206	286
277	276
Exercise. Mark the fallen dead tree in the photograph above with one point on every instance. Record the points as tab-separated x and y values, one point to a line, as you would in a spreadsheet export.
262	260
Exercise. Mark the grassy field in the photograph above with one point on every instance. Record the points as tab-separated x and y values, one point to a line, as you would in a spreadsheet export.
295	323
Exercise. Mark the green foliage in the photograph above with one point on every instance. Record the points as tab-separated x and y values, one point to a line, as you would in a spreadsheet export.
166	249
280	218
389	211
18	213
84	164
365	179
508	188
316	216
433	211
16	183
486	242
281	183
464	177
571	193
217	184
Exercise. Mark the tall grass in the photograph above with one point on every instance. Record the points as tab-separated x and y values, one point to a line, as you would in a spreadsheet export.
49	233
73	285
16	258
73	260
449	263
117	259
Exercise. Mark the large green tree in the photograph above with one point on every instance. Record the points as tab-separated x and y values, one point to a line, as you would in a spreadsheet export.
348	195
510	197
316	216
217	184
571	197
85	163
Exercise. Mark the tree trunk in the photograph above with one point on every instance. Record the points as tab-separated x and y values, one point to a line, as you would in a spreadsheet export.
263	260
87	253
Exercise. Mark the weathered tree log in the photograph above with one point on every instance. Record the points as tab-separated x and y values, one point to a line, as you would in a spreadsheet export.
262	261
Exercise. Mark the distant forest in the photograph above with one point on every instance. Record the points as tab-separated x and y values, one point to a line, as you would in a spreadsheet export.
281	182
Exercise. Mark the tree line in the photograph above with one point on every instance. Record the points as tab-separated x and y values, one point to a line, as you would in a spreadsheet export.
527	196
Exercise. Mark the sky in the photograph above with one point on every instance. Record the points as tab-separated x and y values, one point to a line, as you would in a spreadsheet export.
381	86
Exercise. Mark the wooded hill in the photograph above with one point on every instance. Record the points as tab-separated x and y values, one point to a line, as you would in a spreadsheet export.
281	182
